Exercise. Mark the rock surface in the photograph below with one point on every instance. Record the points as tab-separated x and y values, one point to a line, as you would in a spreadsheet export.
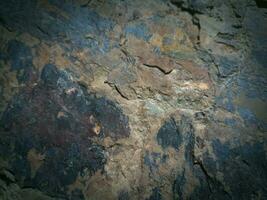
120	99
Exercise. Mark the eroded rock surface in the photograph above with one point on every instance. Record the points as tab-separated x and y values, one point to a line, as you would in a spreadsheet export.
133	99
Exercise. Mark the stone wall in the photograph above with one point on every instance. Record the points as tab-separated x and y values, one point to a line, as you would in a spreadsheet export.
123	99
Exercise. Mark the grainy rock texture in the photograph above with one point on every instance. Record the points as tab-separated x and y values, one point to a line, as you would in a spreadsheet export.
123	99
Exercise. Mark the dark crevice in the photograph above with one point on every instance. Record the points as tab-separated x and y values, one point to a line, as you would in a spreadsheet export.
261	3
4	24
227	36
86	3
159	68
123	96
177	3
227	44
113	145
6	179
195	21
117	89
192	12
128	58
214	185
42	30
237	26
215	64
246	162
208	177
189	9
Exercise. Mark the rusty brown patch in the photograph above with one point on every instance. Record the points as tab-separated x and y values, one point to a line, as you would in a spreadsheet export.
96	128
36	160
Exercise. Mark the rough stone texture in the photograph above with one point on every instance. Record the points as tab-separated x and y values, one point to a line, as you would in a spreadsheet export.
120	99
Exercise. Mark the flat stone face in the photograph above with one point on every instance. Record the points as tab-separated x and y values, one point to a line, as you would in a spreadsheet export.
133	99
